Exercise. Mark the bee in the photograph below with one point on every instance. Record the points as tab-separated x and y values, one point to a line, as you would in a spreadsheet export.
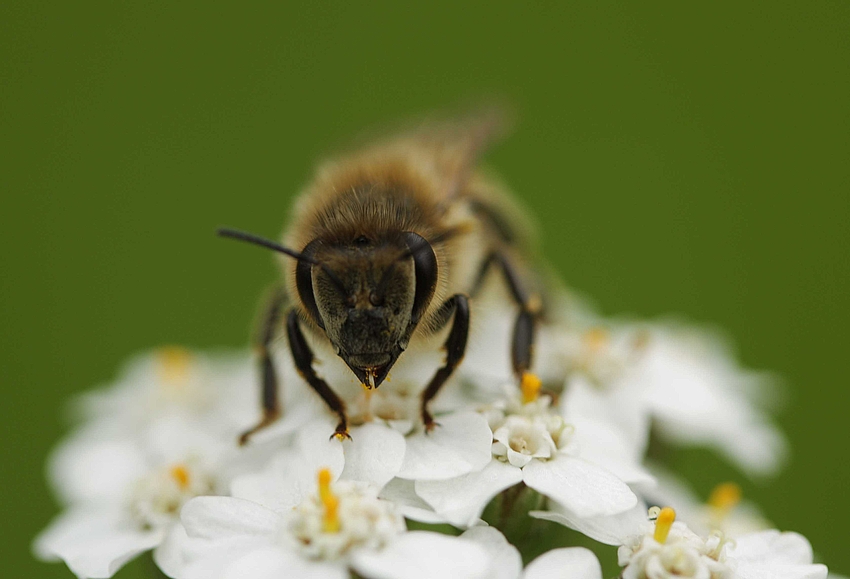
387	247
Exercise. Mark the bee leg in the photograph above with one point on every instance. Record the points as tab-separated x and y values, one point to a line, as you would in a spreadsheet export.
303	357
522	339
455	347
269	400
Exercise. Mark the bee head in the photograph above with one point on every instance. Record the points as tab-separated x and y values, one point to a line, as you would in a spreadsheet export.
369	297
367	294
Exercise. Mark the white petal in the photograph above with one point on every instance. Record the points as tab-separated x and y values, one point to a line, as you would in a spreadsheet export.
698	395
781	571
410	505
505	560
774	554
583	488
423	555
276	487
774	545
221	530
168	554
94	543
619	407
611	529
603	445
291	475
318	450
374	454
87	469
460	444
572	563
223	517
517	459
275	563
461	500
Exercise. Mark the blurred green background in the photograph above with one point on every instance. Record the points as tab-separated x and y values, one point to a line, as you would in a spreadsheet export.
680	157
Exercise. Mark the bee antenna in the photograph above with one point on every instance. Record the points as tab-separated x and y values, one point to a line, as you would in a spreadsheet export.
263	242
438	238
268	244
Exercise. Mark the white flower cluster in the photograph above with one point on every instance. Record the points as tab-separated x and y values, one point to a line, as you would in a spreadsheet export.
154	465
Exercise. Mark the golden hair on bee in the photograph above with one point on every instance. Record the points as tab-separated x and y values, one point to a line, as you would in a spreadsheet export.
387	246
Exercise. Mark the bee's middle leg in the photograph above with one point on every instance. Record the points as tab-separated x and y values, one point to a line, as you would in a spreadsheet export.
455	348
269	400
303	357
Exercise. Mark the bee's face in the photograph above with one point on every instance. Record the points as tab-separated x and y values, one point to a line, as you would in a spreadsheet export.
367	319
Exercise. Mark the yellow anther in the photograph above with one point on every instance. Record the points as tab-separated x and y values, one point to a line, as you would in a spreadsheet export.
180	474
663	523
722	500
325	484
175	364
530	385
330	520
725	497
534	304
596	339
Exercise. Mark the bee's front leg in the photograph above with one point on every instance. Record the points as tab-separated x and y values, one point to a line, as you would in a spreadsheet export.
268	330
455	347
303	357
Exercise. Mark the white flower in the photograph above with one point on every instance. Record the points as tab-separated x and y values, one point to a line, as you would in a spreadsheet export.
506	562
163	433
566	563
291	472
173	381
534	445
662	548
724	511
218	392
125	495
387	438
321	531
377	452
689	384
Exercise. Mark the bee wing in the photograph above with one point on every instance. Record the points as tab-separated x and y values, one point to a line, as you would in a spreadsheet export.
456	145
450	146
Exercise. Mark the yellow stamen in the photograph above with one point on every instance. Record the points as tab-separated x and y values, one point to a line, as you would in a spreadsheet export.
324	483
530	385
180	474
534	304
723	499
663	523
330	520
596	339
175	364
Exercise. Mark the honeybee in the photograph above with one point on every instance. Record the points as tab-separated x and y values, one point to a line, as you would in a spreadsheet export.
388	246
